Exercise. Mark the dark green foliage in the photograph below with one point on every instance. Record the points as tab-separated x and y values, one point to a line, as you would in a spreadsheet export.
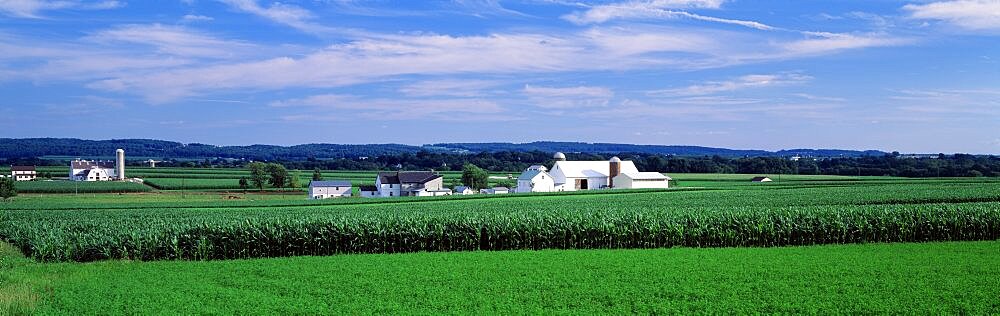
243	183
258	174
277	175
317	175
7	188
475	177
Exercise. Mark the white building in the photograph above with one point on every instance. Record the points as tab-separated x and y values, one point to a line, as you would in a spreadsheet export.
91	170
760	179
23	173
462	190
588	175
495	190
368	191
535	180
329	189
409	183
641	180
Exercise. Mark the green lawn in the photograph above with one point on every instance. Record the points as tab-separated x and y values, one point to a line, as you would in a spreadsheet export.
927	278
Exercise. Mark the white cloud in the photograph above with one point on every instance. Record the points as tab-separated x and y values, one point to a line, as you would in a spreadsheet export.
825	43
969	14
31	8
568	97
196	18
654	9
278	12
741	83
172	40
450	87
392	109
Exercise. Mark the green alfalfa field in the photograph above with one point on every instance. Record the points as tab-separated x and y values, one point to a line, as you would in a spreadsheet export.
799	245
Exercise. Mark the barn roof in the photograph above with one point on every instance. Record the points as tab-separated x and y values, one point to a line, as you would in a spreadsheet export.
462	188
590	169
530	174
399	177
333	183
367	188
646	176
87	164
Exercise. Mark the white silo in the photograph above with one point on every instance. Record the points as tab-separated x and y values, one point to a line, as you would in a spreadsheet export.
120	164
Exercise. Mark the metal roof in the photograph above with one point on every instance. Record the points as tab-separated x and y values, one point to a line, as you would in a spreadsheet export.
22	168
407	177
333	183
590	169
530	174
646	176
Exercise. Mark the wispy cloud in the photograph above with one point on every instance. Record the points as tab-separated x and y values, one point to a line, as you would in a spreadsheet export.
172	40
741	83
820	43
568	97
392	109
32	8
287	14
190	18
450	87
968	14
655	9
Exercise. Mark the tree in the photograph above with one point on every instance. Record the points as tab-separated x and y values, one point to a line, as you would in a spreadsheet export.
317	176
244	184
258	174
278	175
293	180
474	177
7	188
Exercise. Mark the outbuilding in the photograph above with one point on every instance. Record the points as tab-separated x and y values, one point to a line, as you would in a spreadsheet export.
641	180
329	189
462	190
760	179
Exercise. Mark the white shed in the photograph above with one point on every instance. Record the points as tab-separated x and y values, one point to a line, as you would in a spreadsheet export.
462	190
329	189
641	180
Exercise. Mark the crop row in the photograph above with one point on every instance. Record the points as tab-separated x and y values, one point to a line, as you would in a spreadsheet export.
640	220
79	187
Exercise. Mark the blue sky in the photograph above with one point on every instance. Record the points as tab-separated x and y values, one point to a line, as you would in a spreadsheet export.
912	76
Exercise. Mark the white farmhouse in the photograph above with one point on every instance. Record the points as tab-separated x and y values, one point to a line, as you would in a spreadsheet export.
329	189
23	173
409	183
535	180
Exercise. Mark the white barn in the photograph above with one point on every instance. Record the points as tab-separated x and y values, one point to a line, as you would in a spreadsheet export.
329	189
588	175
92	170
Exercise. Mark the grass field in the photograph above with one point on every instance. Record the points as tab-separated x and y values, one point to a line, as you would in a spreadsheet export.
927	278
649	251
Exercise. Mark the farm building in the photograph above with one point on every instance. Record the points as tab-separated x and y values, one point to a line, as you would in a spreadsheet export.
588	175
368	191
495	190
439	192
760	179
408	183
97	170
23	173
91	170
534	180
641	180
329	189
462	190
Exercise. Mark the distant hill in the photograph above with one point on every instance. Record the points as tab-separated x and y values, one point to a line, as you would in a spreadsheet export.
37	147
652	149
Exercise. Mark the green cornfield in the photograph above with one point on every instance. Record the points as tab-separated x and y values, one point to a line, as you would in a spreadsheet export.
780	216
79	187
